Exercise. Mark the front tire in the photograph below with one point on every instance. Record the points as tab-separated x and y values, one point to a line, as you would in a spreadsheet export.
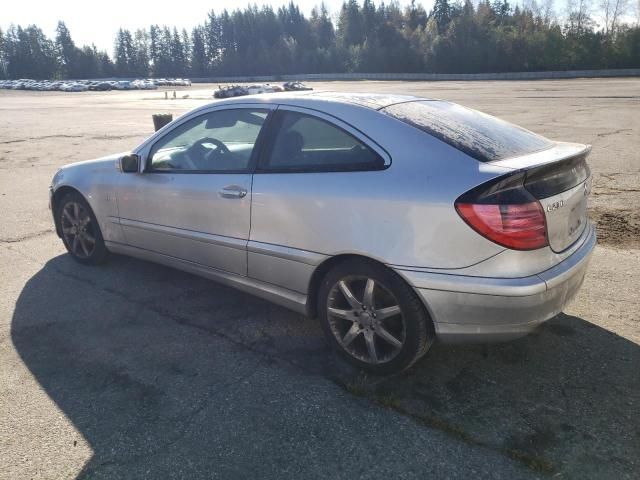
373	318
79	229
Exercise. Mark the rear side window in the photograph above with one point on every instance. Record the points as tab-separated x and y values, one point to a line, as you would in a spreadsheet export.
307	143
477	134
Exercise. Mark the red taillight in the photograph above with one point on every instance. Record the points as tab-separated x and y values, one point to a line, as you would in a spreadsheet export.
517	226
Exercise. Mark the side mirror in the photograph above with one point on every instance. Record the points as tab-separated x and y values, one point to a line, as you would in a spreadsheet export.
130	163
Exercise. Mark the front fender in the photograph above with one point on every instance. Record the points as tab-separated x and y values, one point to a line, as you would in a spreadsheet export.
96	180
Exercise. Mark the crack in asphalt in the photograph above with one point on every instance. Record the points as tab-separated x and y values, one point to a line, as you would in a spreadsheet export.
580	96
613	191
45	137
28	237
615	132
94	137
118	137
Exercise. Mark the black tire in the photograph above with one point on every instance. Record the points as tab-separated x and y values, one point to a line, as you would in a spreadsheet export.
412	326
85	251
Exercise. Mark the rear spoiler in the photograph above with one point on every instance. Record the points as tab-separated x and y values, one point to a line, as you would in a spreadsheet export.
558	152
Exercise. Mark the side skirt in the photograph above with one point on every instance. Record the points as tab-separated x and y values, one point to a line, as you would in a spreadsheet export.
281	296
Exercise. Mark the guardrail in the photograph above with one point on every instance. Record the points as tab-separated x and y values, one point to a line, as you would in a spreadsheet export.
628	72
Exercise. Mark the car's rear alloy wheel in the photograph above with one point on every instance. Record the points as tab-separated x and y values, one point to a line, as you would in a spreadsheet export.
366	319
373	318
80	231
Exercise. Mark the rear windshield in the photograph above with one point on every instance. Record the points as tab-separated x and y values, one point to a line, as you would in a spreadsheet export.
477	134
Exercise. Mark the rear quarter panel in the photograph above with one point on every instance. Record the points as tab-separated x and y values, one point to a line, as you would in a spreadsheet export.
403	215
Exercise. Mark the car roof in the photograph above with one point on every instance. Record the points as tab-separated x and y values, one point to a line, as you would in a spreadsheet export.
374	101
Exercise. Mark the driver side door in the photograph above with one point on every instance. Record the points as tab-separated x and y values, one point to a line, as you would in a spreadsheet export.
192	201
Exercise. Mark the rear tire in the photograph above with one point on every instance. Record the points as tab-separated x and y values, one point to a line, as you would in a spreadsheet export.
79	230
373	318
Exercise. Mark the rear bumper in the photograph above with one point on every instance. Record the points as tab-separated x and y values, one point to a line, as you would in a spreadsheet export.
480	309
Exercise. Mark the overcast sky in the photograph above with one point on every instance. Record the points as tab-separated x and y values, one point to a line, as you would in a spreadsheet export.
97	22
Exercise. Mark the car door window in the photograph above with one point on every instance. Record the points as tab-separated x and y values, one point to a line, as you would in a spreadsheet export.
306	143
219	141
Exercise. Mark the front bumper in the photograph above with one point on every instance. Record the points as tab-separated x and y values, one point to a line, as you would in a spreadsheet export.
478	309
53	213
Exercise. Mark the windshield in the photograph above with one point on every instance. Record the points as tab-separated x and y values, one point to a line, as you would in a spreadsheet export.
228	126
479	135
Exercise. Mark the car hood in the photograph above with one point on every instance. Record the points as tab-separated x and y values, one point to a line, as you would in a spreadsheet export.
109	160
79	173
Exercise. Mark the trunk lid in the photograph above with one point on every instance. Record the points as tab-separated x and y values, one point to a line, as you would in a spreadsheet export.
560	179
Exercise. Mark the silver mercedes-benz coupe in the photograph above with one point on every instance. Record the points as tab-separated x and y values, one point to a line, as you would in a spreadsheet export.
394	220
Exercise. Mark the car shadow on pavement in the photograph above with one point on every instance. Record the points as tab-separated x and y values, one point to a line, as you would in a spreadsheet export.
125	351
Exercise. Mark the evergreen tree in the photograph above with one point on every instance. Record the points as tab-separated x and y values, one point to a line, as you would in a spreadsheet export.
186	52
29	53
199	61
176	52
442	14
3	58
458	36
124	54
350	24
322	27
140	63
66	52
212	40
154	49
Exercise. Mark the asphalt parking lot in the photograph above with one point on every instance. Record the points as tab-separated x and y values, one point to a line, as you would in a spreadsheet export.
135	370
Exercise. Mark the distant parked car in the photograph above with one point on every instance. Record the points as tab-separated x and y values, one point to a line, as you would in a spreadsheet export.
104	86
239	90
295	86
144	85
123	85
101	86
149	85
395	220
259	88
94	85
230	91
74	87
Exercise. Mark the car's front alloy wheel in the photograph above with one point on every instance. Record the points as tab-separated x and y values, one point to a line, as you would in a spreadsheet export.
79	229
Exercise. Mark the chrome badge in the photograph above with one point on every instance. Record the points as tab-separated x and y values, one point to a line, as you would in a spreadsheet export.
552	207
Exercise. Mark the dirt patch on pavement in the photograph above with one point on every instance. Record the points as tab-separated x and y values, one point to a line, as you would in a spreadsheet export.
617	228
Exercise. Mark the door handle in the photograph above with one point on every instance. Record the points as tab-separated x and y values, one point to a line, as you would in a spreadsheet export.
233	191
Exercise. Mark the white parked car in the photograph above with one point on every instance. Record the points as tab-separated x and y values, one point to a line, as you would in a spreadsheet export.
123	85
263	88
74	87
